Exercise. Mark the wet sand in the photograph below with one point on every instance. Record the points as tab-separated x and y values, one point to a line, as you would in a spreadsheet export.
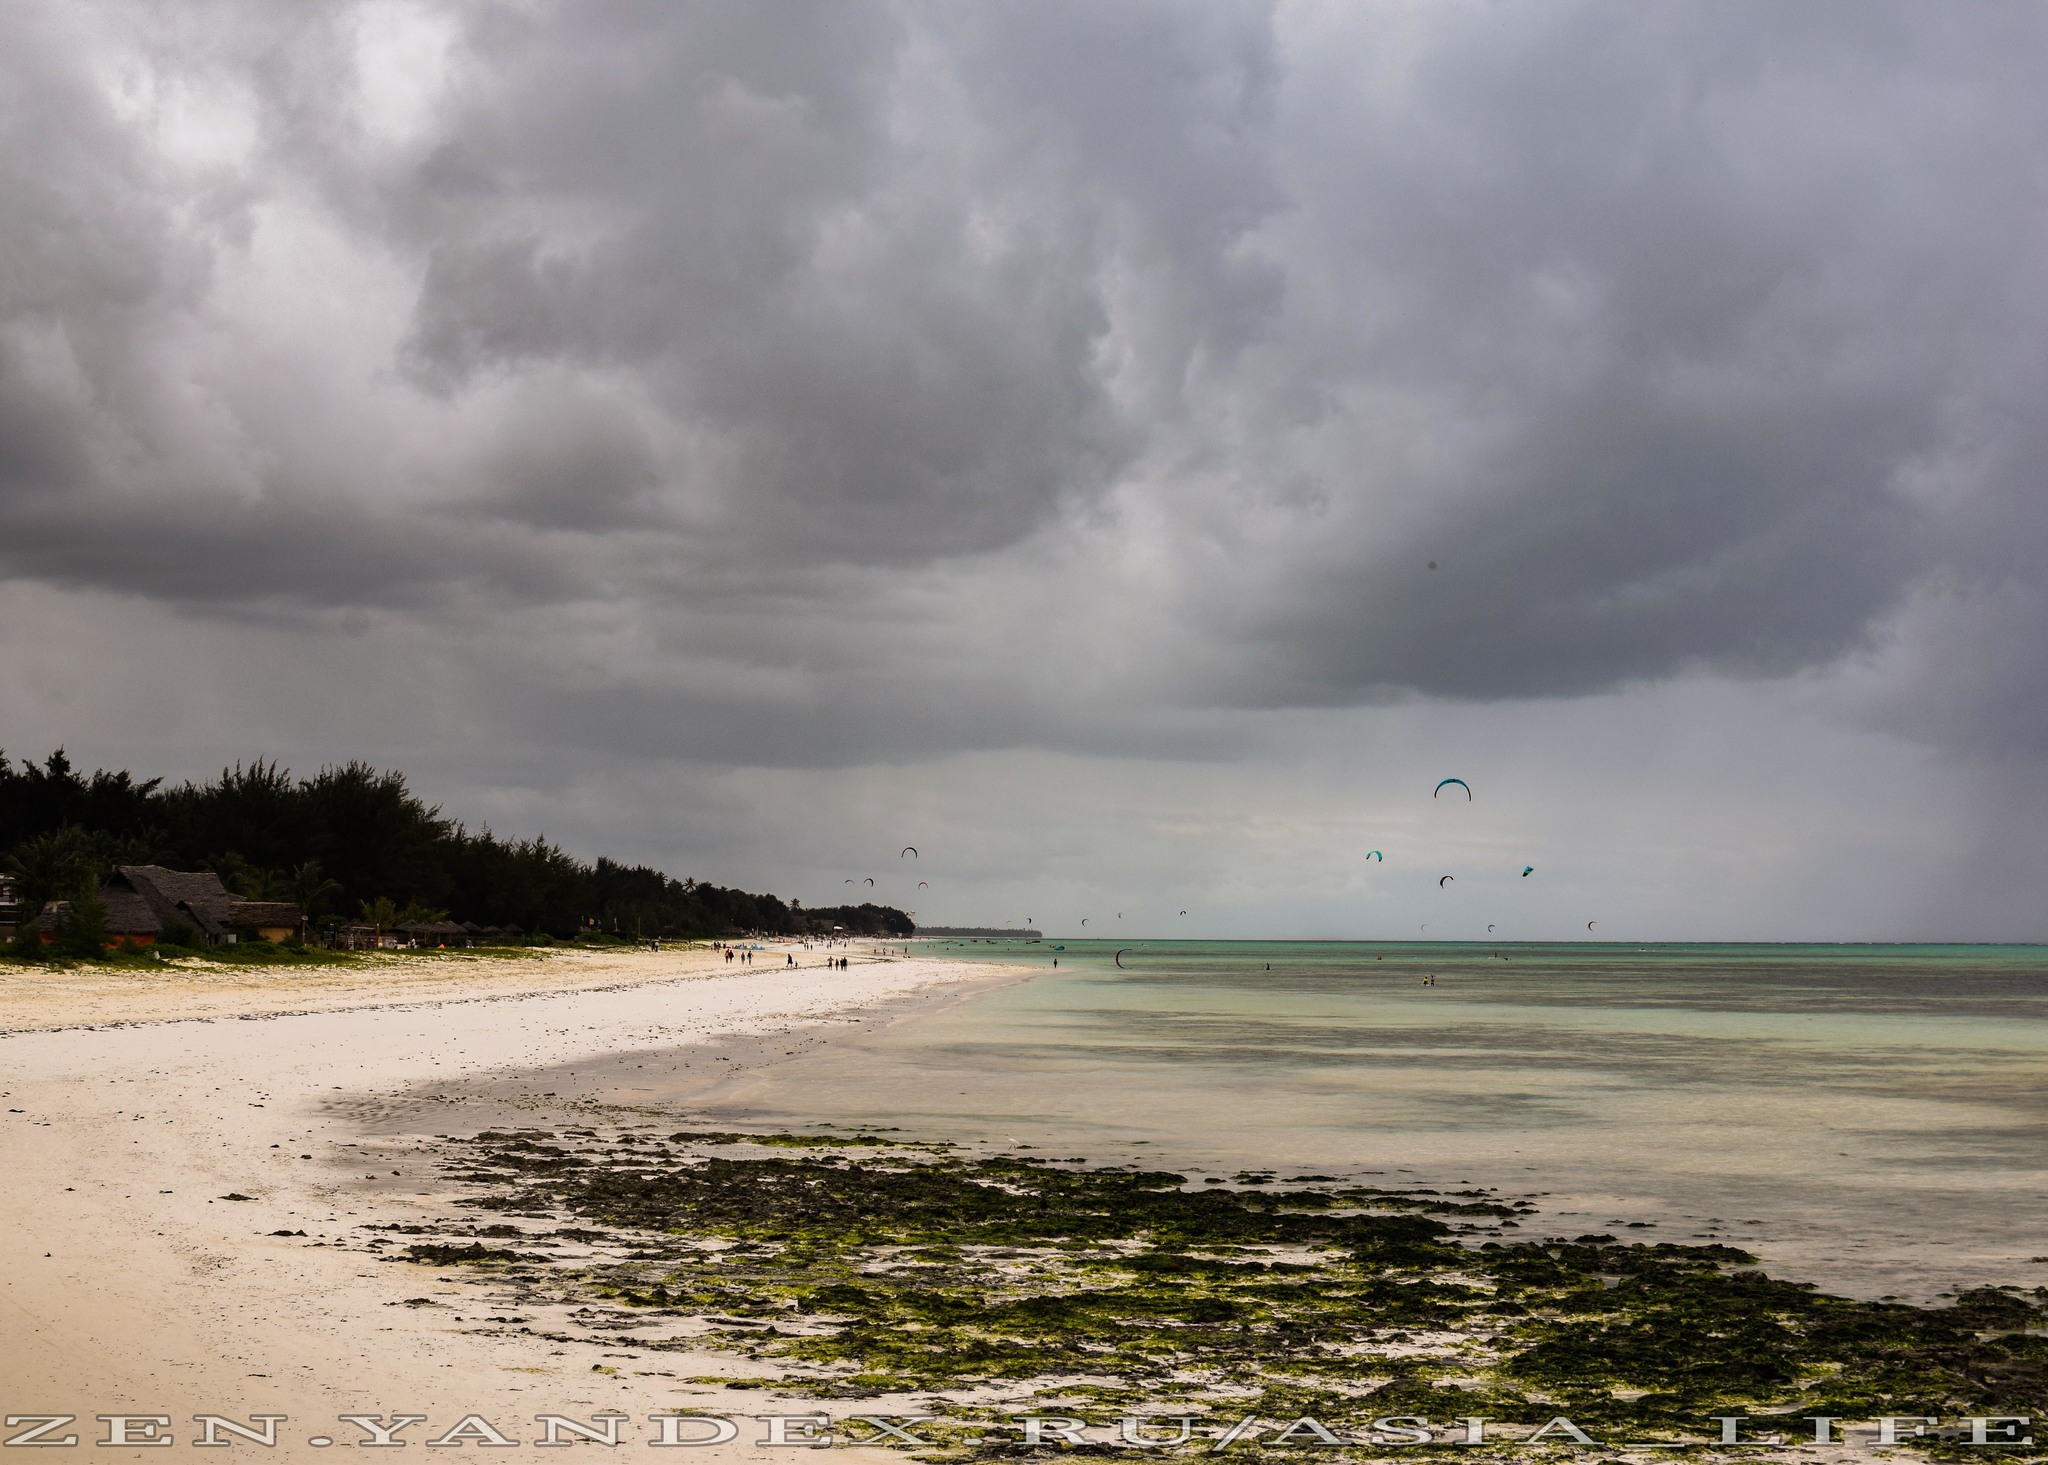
133	1282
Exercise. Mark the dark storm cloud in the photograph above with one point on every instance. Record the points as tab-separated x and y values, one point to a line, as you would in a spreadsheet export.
923	359
891	354
1715	328
1625	539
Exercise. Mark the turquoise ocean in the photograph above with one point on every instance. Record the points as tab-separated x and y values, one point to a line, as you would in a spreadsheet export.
1872	1118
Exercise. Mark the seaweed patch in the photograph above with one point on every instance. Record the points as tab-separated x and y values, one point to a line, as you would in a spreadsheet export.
860	1267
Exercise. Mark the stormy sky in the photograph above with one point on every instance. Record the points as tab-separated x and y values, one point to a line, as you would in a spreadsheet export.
1129	451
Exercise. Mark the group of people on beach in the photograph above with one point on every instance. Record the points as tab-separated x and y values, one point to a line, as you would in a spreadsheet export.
746	957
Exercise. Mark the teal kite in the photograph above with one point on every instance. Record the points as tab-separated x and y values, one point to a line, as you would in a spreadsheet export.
1449	781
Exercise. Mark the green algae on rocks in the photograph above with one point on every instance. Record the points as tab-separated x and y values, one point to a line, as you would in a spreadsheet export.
860	1267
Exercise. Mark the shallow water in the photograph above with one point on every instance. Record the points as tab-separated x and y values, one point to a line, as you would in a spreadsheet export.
1871	1118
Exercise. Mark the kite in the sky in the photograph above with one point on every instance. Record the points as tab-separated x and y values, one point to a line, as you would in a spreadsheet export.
909	849
1445	881
871	879
1373	854
1448	782
1589	925
924	885
1527	871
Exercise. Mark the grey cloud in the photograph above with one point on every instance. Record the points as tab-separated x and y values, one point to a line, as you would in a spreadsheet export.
892	344
1681	333
844	719
1024	374
92	256
1627	540
571	459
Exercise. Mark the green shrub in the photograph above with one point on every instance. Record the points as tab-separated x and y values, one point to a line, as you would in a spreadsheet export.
82	929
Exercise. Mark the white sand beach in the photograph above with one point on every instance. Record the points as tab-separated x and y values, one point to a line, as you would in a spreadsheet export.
133	1283
34	999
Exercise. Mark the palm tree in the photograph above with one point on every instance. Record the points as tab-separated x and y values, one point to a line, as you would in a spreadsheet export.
109	850
250	881
53	866
309	887
377	915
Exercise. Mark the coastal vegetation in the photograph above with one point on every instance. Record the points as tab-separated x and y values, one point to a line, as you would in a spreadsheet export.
351	843
868	1267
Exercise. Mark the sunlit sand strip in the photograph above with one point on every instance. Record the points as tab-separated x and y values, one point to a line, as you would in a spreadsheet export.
40	999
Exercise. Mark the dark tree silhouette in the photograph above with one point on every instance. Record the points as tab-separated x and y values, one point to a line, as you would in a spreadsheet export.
351	835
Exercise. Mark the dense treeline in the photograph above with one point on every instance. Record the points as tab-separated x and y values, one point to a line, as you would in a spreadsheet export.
351	836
